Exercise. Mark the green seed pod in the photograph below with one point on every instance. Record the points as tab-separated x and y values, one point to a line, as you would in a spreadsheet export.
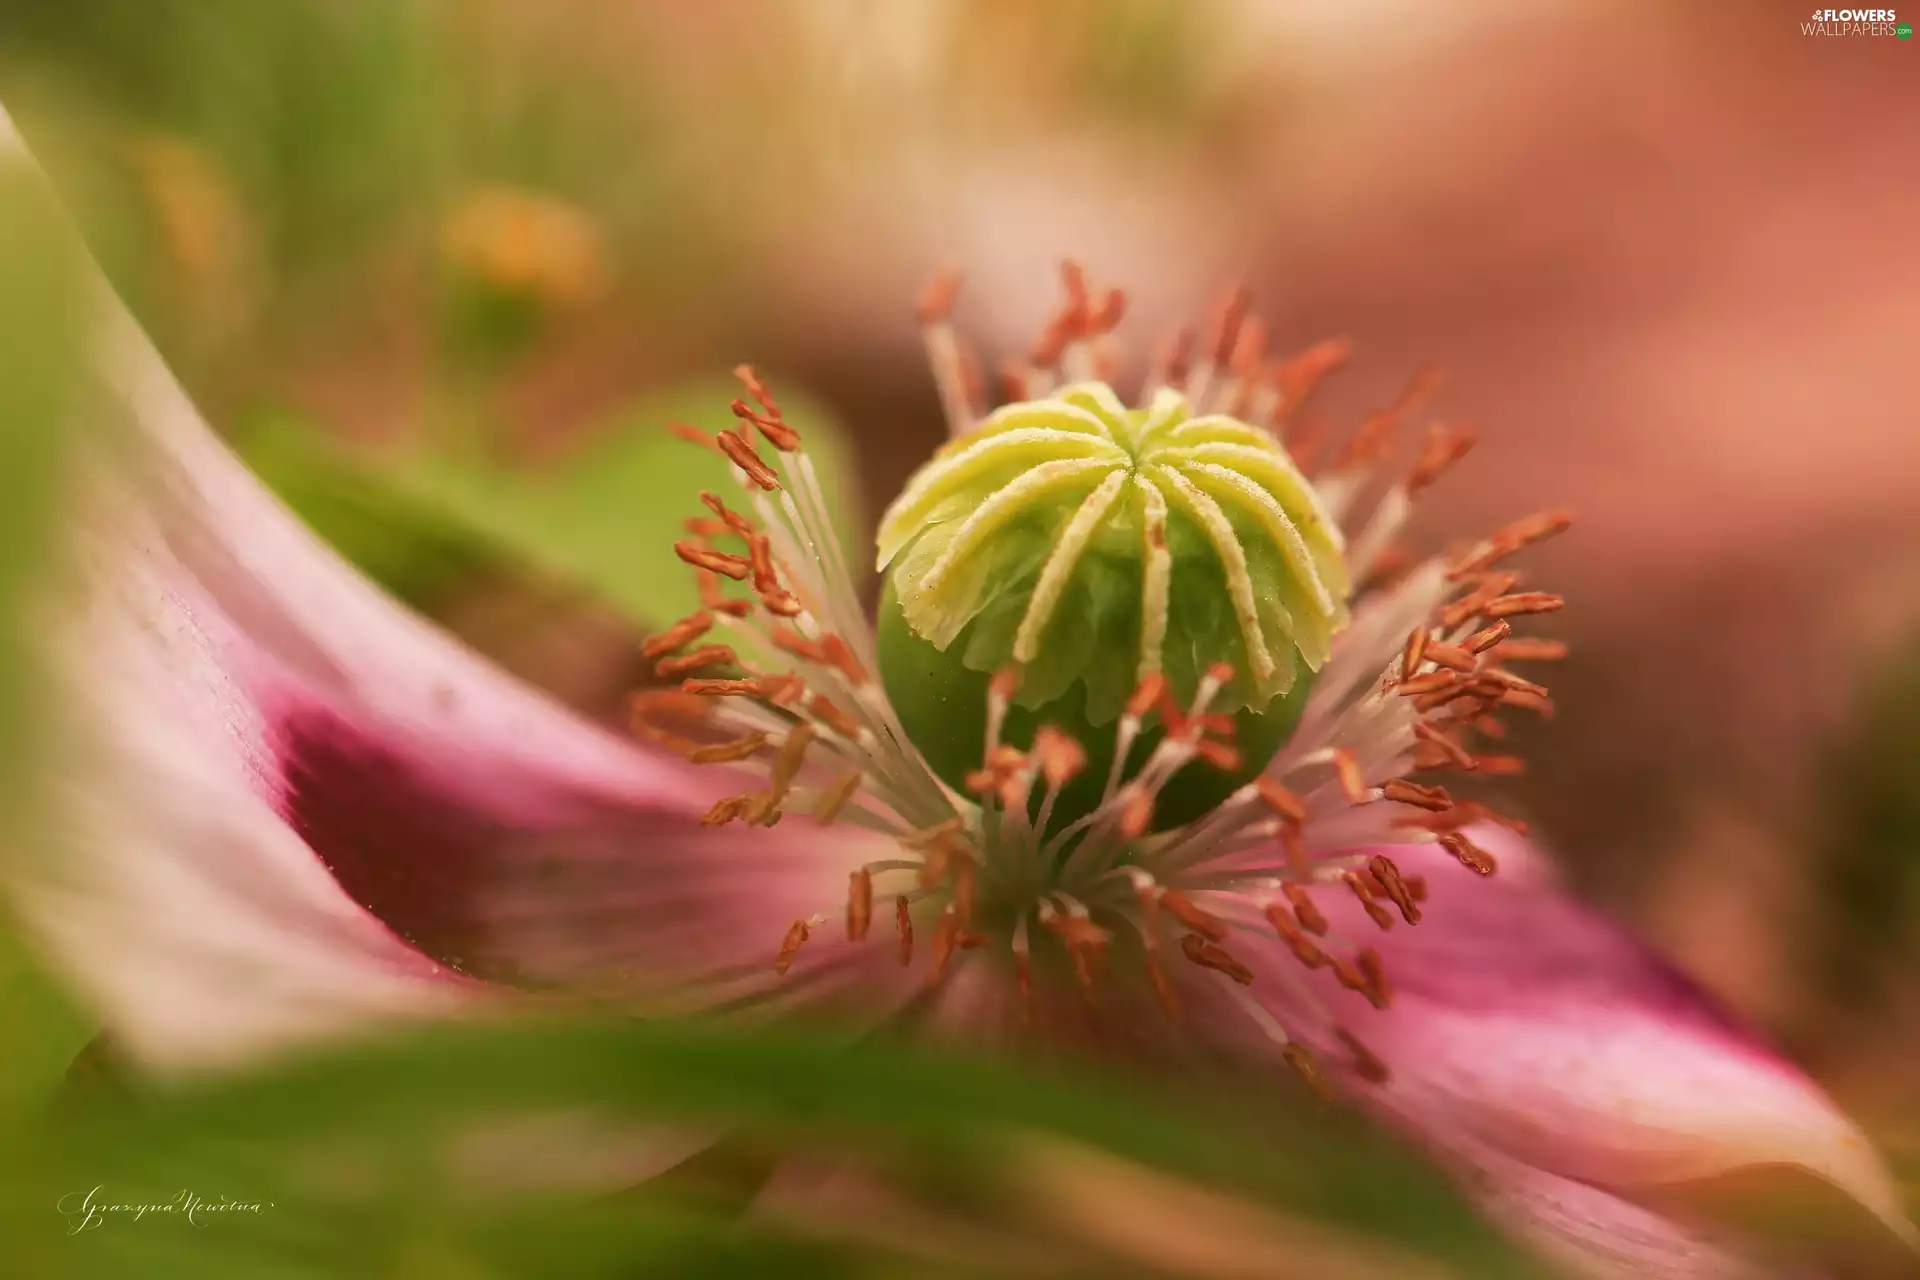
1089	546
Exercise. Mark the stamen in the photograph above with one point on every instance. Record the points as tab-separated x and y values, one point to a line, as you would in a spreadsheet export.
692	435
1353	784
929	837
1210	956
1301	375
1487	637
797	936
1374	440
728	752
793	752
1163	989
726	810
760	563
1451	656
1416	650
1279	799
1145	695
1305	910
1369	1066
960	862
1456	688
775	428
711	598
1378	989
721	562
1000	690
730	519
1525	602
1136	812
1532	650
903	922
1513	681
1218	755
1444	447
1301	1059
1182	908
1504	542
1381	917
1387	872
829	713
1470	855
685	631
1023	968
769	687
1450	752
741	453
1433	798
1527	702
1432	682
711	655
859	904
1304	949
1061	756
1470	605
836	797
945	937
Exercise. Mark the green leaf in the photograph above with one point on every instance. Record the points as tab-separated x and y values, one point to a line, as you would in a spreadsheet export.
357	1151
412	549
605	518
602	520
40	367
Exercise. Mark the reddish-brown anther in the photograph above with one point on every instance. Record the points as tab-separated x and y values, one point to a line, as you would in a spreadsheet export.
1471	855
1487	637
1444	447
1365	1063
1281	800
903	925
1353	783
1414	653
1394	886
1304	949
712	561
1524	602
797	935
707	655
1305	910
1202	922
1531	650
1217	958
859	904
685	631
740	452
1435	799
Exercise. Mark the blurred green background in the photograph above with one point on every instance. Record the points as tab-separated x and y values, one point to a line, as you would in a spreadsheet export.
443	271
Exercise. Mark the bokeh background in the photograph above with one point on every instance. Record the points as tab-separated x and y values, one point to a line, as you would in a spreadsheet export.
442	271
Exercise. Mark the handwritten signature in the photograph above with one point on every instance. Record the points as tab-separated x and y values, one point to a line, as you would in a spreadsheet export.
91	1210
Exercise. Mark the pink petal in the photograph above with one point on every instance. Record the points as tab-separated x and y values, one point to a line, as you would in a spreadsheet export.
1526	1025
1593	1232
300	806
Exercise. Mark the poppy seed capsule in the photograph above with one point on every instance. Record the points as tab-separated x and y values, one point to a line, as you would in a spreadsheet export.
1090	547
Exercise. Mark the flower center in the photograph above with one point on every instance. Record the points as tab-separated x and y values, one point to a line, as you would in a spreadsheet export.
1090	748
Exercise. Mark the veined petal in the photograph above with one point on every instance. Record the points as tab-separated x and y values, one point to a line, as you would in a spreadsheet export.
293	805
1527	1025
1593	1232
